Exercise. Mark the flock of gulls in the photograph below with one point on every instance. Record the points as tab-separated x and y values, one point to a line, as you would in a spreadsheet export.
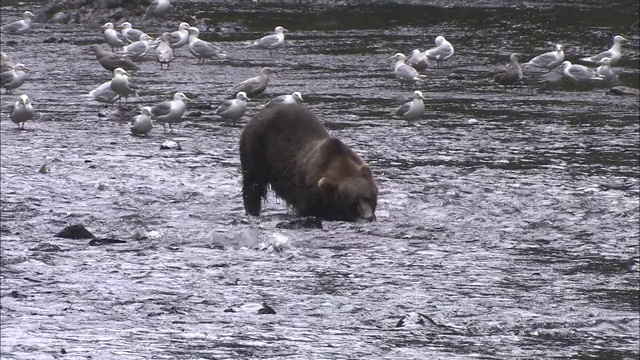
129	44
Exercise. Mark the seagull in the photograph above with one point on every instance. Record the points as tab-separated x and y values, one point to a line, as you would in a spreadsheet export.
6	63
112	37
170	111
157	8
512	72
271	42
256	85
129	33
615	53
403	72
294	98
604	70
414	109
19	27
140	48
142	124
21	111
14	78
104	94
233	109
417	60
122	85
550	60
579	74
164	52
202	49
112	61
180	37
440	53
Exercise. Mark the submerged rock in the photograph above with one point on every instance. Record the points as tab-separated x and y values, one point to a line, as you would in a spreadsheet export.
105	241
77	231
624	91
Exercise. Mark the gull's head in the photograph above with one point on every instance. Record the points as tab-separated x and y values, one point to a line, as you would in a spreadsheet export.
398	56
121	71
21	66
184	26
297	96
24	99
418	95
604	61
180	96
619	39
125	25
267	71
145	110
566	64
28	14
193	30
145	37
107	26
439	40
280	30
559	47
242	96
514	57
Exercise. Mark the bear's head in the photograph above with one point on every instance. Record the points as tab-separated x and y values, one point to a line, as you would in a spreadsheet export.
353	198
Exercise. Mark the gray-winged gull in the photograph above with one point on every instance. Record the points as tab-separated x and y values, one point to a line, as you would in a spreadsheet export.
443	51
403	72
122	85
6	64
19	27
129	33
414	109
14	78
271	42
615	53
138	49
417	60
142	124
604	70
549	60
202	49
104	94
112	61
256	85
294	98
233	109
512	71
112	37
164	52
579	74
157	8
21	111
169	112
180	37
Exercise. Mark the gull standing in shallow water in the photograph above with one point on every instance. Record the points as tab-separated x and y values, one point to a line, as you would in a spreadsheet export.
140	48
512	72
21	111
19	27
164	52
122	85
170	111
233	109
112	37
418	60
14	78
271	42
180	37
142	124
614	54
579	74
604	70
256	85
294	98
403	72
443	51
202	49
129	33
550	60
6	63
414	109
104	94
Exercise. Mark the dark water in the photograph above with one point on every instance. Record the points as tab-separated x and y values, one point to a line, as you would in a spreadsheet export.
501	231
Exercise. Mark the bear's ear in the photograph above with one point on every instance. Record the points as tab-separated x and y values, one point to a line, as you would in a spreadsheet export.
366	171
326	184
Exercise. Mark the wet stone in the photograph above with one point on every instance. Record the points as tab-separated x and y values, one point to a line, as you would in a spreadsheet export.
77	231
252	308
455	76
170	145
46	247
310	222
105	241
623	91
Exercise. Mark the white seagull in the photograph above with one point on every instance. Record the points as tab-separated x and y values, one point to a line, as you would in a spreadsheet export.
21	111
549	60
294	98
233	109
19	27
403	72
443	51
414	109
202	49
169	112
256	85
142	124
271	42
614	54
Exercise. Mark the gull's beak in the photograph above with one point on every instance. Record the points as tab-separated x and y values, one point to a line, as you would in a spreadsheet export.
27	69
187	99
119	26
285	30
127	73
625	40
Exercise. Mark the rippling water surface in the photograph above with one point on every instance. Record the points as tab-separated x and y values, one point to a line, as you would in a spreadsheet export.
518	236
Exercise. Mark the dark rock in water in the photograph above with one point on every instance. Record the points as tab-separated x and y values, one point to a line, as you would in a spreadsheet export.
105	241
170	145
252	308
77	231
12	42
46	247
455	76
194	114
50	40
616	186
623	90
16	295
310	222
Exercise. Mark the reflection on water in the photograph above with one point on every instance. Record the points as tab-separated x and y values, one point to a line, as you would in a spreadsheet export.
521	228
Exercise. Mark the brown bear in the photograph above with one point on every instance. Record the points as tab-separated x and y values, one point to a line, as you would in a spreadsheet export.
288	147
